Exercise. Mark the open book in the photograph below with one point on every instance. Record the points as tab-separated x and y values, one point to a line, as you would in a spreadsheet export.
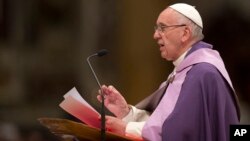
74	104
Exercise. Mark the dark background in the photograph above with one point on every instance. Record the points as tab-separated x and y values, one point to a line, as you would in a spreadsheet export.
44	45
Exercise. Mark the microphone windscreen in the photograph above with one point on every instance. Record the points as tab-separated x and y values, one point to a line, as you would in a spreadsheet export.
102	52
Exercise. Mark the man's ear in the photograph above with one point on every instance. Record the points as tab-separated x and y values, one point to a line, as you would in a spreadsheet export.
186	34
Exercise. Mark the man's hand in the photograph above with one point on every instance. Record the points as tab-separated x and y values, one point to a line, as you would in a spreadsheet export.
115	125
114	101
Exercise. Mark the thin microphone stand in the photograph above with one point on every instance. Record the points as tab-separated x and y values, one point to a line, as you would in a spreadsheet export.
103	132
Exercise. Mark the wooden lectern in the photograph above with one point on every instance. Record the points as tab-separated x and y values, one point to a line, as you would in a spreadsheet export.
81	131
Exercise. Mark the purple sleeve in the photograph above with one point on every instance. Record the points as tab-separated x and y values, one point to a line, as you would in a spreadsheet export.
204	110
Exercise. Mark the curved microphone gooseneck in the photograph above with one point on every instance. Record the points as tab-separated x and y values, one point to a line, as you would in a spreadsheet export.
99	54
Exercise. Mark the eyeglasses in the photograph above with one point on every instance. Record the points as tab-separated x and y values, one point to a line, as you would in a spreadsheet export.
161	28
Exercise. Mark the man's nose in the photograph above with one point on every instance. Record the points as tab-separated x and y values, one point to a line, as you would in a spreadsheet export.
156	35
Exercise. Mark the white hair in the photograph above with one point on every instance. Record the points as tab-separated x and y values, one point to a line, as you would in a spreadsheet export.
195	29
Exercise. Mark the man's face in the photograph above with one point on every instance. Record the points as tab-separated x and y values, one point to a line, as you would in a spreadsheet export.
168	34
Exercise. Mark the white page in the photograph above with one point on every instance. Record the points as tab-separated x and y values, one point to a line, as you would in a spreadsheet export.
78	107
75	94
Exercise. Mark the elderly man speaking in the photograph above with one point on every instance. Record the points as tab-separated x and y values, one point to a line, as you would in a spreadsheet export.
196	103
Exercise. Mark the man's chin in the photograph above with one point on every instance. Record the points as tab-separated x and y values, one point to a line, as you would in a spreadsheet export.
166	58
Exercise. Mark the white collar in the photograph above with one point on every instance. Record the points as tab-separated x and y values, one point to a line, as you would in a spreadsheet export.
181	58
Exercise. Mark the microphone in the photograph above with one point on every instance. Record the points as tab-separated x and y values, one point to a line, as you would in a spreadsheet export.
99	54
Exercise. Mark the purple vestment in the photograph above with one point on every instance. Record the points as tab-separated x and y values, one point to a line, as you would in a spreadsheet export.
199	105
